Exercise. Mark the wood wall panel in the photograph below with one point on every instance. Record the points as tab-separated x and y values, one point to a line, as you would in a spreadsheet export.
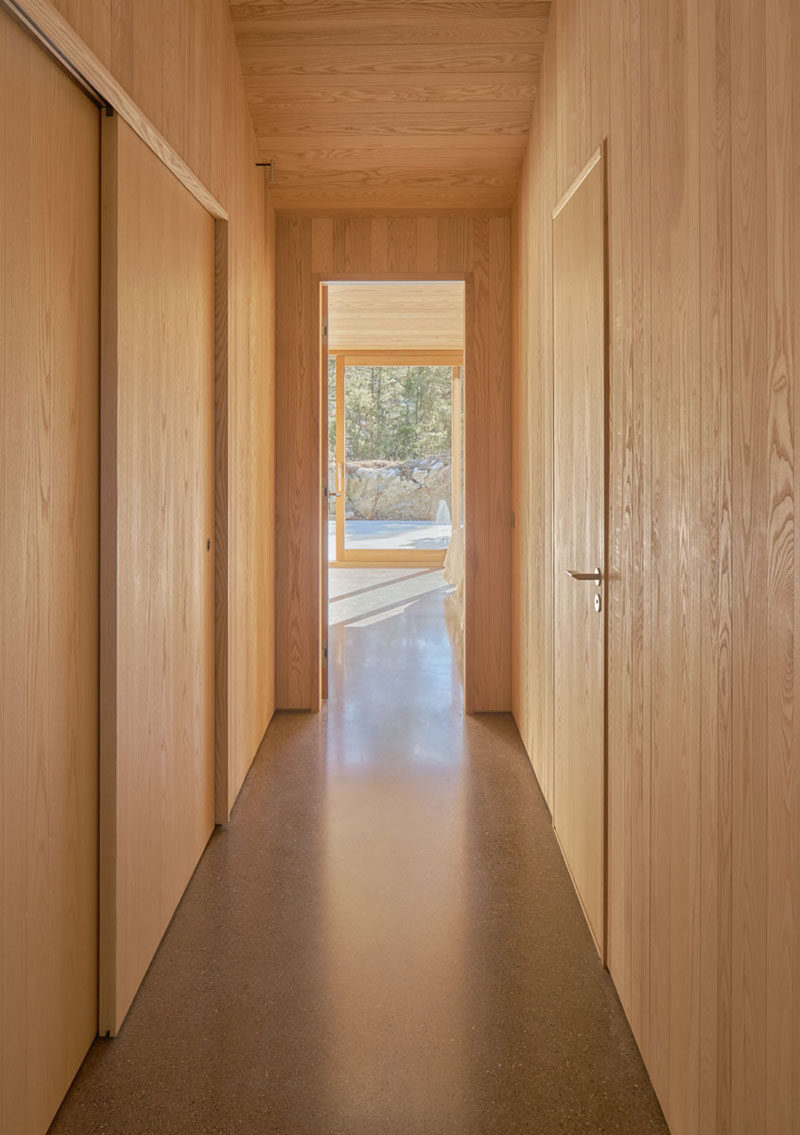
532	611
715	364
161	520
298	481
49	478
175	62
178	61
477	247
764	142
700	102
399	317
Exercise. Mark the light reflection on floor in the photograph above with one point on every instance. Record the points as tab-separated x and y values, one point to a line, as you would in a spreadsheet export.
363	596
395	628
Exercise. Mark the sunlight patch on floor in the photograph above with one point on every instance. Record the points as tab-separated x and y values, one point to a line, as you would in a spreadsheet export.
361	597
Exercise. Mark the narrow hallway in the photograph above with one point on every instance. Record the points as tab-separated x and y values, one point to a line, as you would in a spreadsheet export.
385	938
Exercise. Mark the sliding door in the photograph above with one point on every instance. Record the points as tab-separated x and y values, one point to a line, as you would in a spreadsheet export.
157	806
49	335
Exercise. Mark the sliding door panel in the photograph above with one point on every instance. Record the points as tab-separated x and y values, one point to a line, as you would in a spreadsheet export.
157	809
49	382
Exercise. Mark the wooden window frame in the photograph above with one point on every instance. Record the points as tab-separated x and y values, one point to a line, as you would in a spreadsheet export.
385	557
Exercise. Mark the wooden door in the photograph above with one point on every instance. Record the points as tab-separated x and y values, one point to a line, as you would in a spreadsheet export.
49	386
157	775
579	505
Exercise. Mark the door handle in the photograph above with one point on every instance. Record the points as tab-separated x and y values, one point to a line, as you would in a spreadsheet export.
595	576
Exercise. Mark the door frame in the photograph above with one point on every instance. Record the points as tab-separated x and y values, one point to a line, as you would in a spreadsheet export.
319	284
383	557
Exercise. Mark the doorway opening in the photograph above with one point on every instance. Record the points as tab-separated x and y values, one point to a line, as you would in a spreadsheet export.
393	428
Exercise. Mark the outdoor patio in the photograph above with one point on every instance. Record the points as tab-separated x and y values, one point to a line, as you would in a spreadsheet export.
391	535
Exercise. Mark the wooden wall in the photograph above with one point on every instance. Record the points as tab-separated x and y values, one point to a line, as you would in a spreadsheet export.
396	317
310	247
178	60
700	102
49	443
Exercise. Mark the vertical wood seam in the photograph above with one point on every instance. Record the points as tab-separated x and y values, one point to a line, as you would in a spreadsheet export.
223	788
107	949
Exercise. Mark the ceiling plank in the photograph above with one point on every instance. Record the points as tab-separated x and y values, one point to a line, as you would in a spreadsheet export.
370	157
298	143
394	32
417	198
392	104
395	178
280	92
431	123
362	59
376	9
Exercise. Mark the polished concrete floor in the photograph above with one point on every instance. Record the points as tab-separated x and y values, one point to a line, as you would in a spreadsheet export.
385	938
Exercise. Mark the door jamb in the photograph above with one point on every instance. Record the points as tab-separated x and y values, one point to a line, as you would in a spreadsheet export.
318	280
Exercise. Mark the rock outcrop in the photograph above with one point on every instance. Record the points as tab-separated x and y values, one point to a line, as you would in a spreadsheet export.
386	490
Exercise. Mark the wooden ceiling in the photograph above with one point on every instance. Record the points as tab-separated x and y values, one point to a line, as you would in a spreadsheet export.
387	104
398	317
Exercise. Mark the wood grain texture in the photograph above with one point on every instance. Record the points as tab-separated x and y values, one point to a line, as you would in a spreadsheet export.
179	66
475	249
163	528
224	783
716	599
45	19
579	510
345	32
764	756
675	482
752	549
380	9
532	661
487	469
109	556
338	78
545	236
49	489
701	105
297	415
397	317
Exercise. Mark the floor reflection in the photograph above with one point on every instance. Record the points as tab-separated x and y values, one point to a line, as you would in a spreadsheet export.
385	938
